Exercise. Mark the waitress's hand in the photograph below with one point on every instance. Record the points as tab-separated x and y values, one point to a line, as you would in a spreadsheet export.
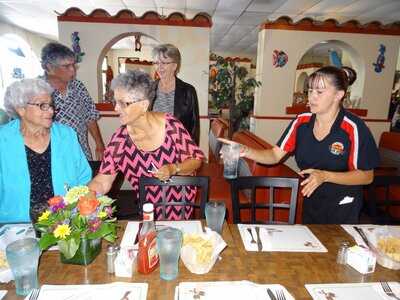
315	179
165	172
243	148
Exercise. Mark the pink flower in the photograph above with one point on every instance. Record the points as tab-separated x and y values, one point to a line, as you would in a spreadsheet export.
94	224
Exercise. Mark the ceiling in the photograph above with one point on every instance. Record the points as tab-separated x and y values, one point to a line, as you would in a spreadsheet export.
235	22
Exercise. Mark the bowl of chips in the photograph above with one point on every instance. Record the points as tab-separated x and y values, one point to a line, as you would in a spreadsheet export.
386	244
200	251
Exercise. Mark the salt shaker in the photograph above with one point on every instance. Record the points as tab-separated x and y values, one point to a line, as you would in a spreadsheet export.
342	253
112	252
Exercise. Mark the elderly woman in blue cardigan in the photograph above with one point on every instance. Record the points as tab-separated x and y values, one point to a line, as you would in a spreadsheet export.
38	158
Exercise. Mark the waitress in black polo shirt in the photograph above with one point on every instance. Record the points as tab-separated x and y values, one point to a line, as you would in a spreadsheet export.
333	148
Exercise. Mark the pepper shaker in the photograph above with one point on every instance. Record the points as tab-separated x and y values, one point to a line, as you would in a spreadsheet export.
342	253
112	252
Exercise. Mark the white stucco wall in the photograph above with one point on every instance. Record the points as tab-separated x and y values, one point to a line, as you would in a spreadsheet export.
278	84
35	41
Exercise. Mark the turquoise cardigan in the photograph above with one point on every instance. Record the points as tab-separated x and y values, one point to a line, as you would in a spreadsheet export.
68	166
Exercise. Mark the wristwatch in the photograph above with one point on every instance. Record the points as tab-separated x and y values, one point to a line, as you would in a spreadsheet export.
177	169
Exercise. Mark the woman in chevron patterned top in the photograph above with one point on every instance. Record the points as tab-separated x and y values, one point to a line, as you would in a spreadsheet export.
147	144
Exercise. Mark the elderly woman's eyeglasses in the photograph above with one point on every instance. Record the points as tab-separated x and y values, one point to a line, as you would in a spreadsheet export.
163	63
43	106
68	66
125	104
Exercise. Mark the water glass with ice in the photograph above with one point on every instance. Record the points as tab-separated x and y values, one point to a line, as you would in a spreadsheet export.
169	243
230	155
23	257
215	215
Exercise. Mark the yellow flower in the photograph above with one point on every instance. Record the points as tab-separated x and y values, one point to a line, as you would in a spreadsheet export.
45	215
102	214
74	193
62	231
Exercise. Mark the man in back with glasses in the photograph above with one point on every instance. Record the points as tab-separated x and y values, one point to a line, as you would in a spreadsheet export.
73	104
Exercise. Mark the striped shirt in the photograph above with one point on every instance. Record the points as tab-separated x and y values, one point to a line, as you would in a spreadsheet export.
164	102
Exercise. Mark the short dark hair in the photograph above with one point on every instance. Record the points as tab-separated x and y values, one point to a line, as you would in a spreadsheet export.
52	53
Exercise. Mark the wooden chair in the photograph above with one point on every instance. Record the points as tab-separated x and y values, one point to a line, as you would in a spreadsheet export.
271	185
383	199
198	181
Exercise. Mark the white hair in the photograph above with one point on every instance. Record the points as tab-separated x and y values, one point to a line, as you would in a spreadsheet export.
19	93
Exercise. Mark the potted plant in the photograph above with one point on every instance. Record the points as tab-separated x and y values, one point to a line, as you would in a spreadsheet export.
230	87
76	223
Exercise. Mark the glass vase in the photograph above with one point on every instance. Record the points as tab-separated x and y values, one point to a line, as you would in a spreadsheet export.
86	253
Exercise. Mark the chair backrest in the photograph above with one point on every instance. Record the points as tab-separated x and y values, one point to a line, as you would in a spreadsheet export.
177	181
269	202
384	199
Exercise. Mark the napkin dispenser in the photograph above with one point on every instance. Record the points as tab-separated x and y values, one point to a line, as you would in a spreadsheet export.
125	262
361	259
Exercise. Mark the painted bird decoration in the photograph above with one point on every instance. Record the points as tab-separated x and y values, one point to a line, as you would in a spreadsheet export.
334	58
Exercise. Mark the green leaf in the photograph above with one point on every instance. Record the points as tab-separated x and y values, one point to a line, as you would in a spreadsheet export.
104	230
69	247
47	240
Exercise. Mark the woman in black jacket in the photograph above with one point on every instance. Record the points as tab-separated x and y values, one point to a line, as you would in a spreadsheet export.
174	95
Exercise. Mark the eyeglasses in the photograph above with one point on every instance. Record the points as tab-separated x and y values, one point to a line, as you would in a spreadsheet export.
67	66
43	106
125	104
163	63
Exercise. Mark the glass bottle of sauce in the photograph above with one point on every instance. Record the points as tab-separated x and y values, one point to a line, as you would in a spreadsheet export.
147	255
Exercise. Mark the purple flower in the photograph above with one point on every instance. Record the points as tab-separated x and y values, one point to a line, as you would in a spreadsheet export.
108	210
94	224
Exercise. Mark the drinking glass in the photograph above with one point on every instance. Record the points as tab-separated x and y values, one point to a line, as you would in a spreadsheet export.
169	243
215	215
230	154
23	257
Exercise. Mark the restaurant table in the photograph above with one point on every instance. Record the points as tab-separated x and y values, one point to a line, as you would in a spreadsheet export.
292	270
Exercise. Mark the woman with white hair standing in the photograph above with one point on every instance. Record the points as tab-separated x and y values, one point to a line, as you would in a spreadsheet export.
38	158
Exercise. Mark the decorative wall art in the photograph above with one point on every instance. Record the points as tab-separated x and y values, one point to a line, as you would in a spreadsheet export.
279	58
76	47
380	60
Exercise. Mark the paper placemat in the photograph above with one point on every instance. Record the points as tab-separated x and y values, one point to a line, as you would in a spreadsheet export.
232	290
283	238
351	291
368	229
132	228
112	291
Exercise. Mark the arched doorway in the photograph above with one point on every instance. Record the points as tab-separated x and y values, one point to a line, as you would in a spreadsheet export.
333	52
121	49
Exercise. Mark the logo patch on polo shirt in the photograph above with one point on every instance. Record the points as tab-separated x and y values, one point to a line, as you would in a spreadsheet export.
337	148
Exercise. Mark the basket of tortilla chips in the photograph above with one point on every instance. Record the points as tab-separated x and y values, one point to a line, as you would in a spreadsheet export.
200	251
386	241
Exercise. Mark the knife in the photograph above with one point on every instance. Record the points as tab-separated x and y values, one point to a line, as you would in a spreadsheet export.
137	234
362	234
271	294
259	244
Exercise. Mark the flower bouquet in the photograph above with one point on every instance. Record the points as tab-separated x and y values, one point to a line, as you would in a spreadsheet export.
76	223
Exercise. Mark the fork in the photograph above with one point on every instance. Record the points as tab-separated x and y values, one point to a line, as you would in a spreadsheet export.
388	291
253	241
280	295
34	294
